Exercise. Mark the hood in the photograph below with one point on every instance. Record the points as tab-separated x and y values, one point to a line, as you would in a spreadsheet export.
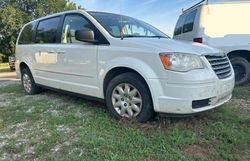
160	45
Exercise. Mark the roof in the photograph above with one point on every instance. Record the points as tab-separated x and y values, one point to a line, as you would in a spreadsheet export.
207	2
58	14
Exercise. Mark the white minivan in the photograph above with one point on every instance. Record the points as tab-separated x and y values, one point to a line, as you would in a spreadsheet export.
134	67
223	25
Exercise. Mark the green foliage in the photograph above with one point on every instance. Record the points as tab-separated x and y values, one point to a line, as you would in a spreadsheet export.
1	54
11	21
18	12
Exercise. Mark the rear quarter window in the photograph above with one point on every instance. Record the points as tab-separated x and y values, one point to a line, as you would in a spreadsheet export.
185	23
179	26
26	34
189	21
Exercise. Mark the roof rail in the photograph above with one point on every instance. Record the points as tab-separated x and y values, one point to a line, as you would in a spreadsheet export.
197	4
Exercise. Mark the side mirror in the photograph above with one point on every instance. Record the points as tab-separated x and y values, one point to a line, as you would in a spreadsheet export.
85	35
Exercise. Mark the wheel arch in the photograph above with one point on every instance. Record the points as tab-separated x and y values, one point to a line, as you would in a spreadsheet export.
115	71
122	69
239	53
22	66
242	56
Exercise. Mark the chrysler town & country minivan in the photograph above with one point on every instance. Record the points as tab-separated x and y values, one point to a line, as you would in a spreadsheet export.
134	67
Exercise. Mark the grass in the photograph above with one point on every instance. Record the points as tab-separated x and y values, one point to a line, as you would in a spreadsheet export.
52	126
4	67
242	92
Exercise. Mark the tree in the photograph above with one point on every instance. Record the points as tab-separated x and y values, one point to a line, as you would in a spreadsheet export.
40	8
12	19
16	13
45	7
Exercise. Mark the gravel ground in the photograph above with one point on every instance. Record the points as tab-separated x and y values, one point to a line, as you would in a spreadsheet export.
7	83
8	78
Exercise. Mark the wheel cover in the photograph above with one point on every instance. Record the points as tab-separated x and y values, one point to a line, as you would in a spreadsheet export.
127	100
27	83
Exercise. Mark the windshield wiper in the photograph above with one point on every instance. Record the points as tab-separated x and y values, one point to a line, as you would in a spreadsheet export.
165	37
130	36
126	36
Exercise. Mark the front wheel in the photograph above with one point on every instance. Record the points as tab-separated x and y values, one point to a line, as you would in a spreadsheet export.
127	96
242	70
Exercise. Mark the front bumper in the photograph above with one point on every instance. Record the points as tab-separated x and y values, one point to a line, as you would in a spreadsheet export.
190	98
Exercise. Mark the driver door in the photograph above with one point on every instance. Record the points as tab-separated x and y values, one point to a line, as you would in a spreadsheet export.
78	66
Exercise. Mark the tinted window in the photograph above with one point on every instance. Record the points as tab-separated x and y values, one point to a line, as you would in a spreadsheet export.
179	26
47	30
26	35
72	23
189	21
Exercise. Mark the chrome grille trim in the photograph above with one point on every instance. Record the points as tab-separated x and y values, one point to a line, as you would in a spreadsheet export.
220	65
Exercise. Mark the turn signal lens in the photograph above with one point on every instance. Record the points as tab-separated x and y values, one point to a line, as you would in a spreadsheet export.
181	62
165	59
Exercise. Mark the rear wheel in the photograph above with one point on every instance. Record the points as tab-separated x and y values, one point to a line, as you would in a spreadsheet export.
127	96
242	70
28	83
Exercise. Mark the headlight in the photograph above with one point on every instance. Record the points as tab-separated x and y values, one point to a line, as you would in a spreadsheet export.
181	62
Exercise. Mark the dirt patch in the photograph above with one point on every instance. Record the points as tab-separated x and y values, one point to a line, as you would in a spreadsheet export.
197	151
243	153
167	124
8	78
53	112
60	147
63	129
241	106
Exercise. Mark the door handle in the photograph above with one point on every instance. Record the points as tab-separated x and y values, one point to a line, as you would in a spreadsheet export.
50	51
60	52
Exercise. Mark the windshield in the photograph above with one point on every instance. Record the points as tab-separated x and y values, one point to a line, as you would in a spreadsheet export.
130	27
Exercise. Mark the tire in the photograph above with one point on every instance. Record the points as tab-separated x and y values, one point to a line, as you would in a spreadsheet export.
242	70
28	83
140	102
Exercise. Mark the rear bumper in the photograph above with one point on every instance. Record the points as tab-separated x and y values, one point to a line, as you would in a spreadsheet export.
17	65
12	64
190	98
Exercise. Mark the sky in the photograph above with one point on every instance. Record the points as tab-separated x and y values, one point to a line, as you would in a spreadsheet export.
162	14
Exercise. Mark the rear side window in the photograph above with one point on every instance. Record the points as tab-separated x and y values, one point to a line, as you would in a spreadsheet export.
26	35
47	30
185	23
179	26
189	21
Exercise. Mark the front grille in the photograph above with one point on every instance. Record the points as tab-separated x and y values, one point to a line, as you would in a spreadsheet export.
220	65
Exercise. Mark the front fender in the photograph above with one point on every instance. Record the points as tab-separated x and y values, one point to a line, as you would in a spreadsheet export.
133	63
137	65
